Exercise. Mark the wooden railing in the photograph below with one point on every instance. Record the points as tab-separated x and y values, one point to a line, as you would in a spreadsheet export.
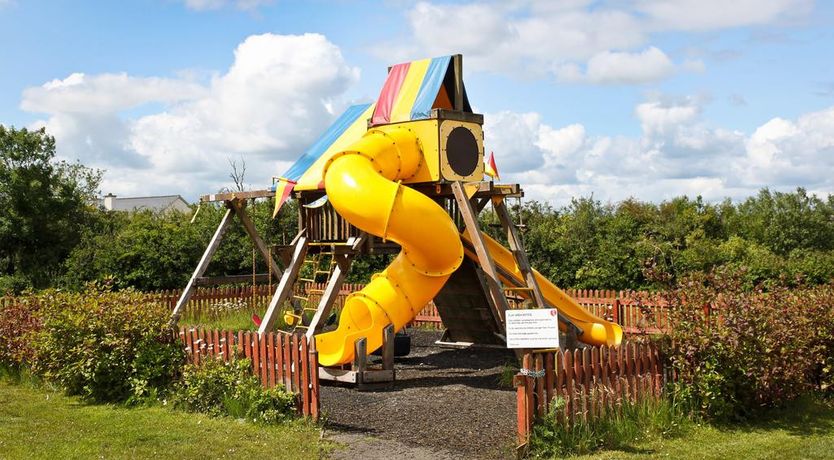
637	312
277	359
584	384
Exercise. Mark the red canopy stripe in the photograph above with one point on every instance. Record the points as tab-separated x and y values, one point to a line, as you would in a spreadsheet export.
382	112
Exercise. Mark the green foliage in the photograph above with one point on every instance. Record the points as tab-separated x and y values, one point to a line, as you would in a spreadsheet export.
218	388
637	245
105	346
755	349
630	423
151	251
43	208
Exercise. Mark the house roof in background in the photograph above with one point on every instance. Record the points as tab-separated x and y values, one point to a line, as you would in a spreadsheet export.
140	203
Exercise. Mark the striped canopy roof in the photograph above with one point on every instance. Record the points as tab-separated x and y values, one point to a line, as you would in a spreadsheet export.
410	92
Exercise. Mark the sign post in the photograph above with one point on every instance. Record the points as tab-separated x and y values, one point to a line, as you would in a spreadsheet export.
537	328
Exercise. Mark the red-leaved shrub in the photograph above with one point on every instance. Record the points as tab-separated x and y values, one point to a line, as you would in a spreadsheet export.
734	350
18	320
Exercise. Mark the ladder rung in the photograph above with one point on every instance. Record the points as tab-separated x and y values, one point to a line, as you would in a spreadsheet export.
306	299
309	280
518	289
315	291
322	272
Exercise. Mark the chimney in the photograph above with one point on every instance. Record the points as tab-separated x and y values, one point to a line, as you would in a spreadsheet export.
108	201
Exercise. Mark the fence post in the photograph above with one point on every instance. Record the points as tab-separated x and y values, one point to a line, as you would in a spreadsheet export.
315	401
615	311
524	400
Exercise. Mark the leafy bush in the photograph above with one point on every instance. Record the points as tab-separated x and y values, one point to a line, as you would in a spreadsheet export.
736	351
105	346
632	422
18	320
217	388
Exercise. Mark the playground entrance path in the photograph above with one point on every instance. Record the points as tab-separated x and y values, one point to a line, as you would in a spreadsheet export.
446	404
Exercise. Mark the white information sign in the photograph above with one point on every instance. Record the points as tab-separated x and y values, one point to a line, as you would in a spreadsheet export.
538	328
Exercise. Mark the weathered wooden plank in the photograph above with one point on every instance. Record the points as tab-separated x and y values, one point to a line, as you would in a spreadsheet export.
517	248
499	301
214	243
284	290
304	359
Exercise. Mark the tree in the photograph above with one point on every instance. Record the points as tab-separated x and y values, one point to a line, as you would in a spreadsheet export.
44	206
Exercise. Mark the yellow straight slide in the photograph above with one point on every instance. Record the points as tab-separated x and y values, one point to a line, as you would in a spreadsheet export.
363	185
595	330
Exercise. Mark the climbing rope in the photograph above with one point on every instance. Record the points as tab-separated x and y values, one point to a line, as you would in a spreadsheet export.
254	280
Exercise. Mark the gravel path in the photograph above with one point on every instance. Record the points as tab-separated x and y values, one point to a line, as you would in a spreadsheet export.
446	404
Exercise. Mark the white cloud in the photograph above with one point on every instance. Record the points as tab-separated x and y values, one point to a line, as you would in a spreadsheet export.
645	66
676	153
203	5
719	14
276	97
542	39
80	93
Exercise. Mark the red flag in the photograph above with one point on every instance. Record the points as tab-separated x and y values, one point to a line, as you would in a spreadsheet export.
489	167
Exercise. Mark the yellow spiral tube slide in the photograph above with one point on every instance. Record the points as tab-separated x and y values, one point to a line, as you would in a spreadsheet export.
363	184
595	330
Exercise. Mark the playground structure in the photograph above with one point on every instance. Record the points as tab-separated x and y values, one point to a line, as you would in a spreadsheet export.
403	176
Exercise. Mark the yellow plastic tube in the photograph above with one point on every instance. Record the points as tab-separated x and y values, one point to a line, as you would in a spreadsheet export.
595	330
363	185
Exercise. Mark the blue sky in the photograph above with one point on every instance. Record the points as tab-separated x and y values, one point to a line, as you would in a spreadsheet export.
618	98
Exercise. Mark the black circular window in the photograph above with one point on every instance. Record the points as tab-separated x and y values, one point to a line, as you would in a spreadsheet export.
462	151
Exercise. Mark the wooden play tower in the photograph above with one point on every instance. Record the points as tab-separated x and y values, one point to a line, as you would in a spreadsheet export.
473	301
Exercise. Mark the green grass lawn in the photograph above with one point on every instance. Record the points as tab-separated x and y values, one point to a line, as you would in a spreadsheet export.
803	431
38	423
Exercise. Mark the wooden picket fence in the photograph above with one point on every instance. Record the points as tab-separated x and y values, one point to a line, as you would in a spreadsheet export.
637	312
585	383
277	359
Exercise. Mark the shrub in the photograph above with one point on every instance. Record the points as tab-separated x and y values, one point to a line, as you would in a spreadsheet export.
219	388
18	320
105	346
736	351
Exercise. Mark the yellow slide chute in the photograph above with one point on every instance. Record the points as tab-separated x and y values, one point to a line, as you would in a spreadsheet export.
363	185
595	330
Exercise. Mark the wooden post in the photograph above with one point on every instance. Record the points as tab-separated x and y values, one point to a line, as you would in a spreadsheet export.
517	248
360	359
499	302
214	243
249	226
457	63
315	401
285	286
388	347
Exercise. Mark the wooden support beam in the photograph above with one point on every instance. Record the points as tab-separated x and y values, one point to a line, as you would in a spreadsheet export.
285	286
228	196
331	291
214	243
499	302
517	248
480	204
249	226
